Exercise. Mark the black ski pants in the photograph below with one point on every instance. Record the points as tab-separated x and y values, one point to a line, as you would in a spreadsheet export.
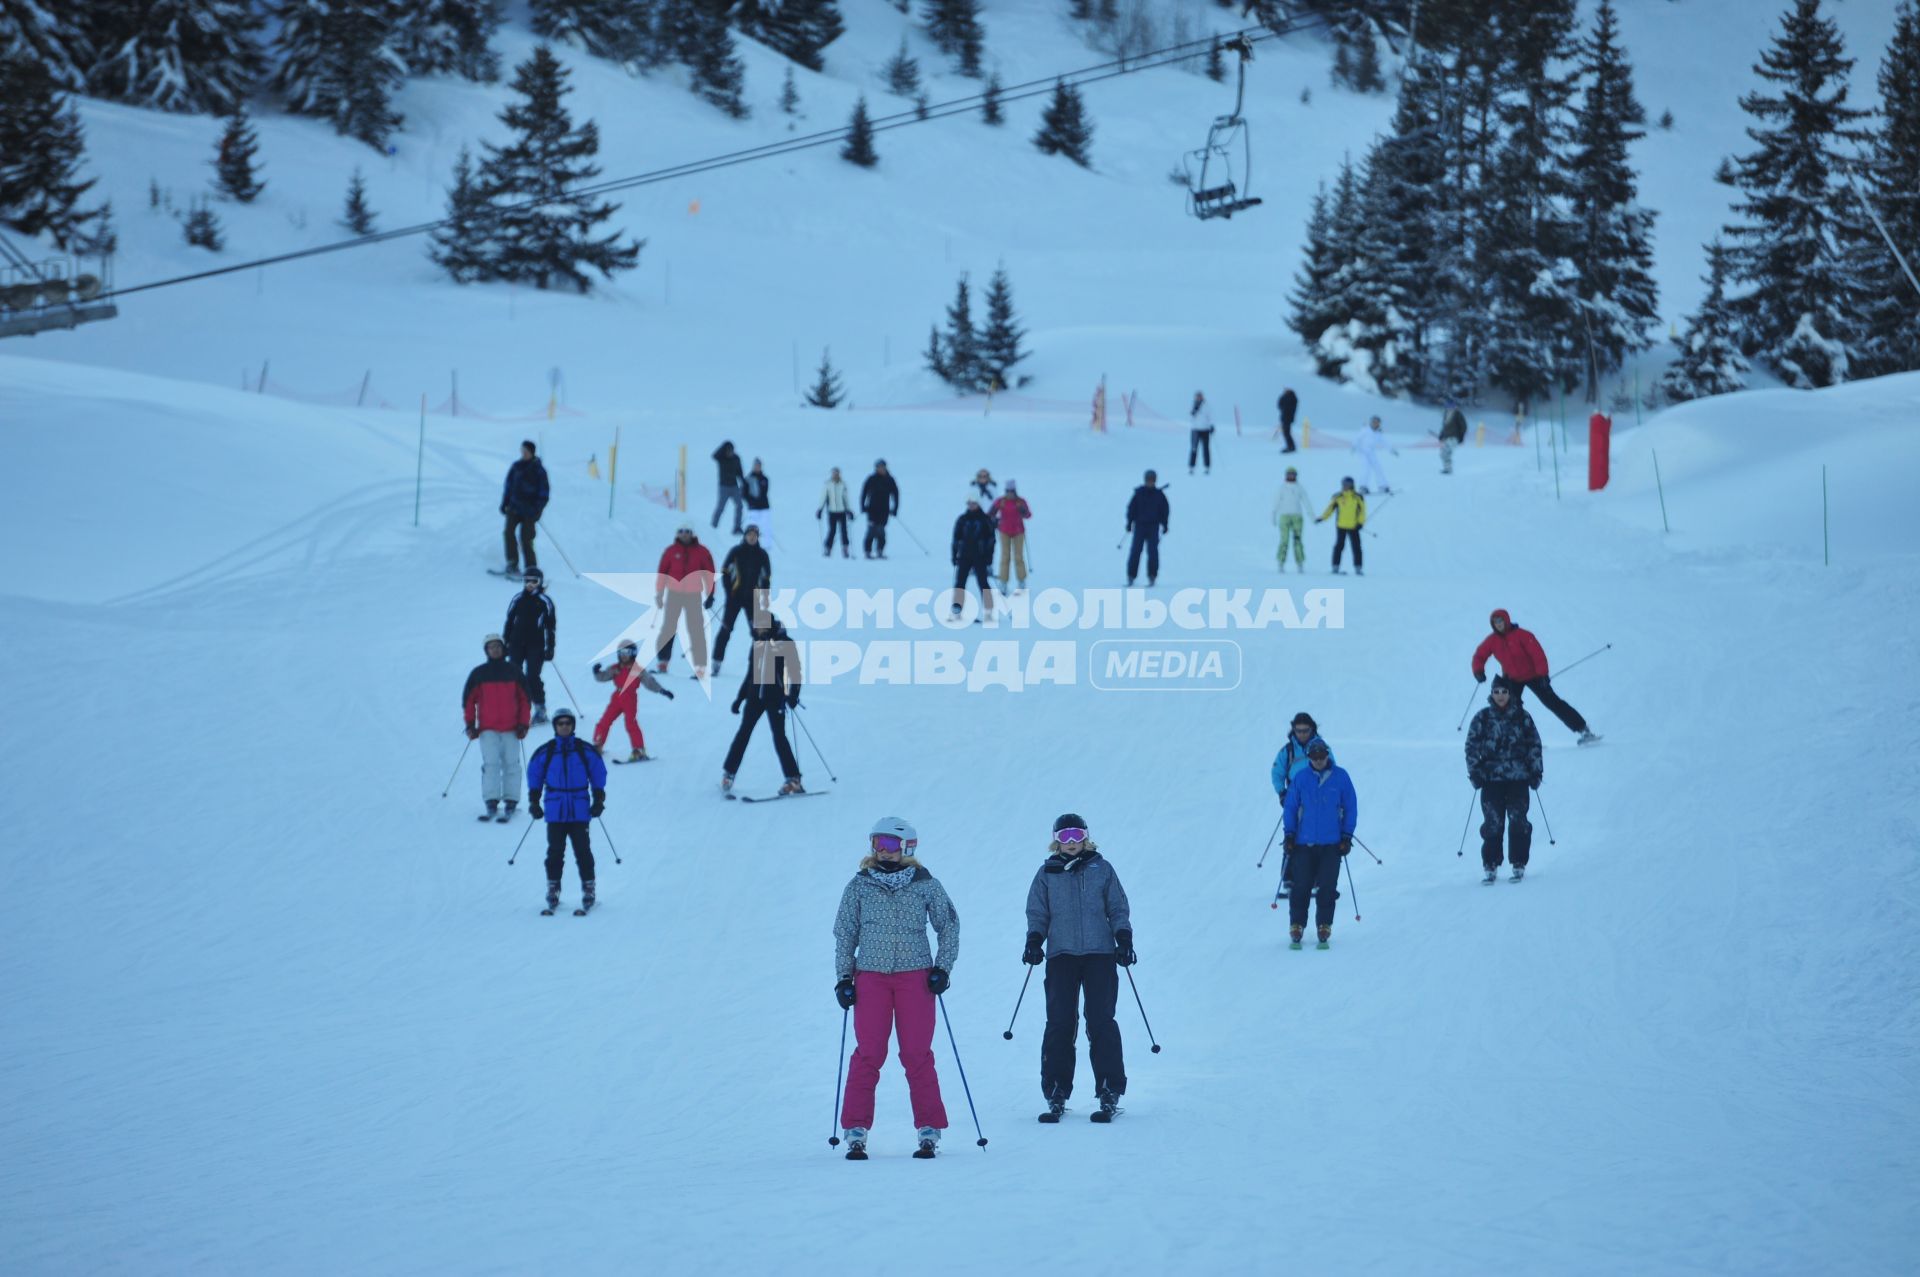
520	554
529	665
837	521
1347	536
1286	432
1069	977
1149	540
978	570
736	604
1314	868
776	716
1503	805
875	542
559	832
1551	699
1200	443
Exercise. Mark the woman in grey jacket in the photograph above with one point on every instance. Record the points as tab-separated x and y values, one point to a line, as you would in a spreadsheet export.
1077	909
890	978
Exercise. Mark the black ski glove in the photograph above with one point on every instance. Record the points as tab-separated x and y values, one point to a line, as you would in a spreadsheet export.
599	803
534	808
843	993
708	605
1534	782
1035	952
793	699
473	733
736	705
596	667
1123	948
937	981
1346	843
1480	677
1288	844
664	692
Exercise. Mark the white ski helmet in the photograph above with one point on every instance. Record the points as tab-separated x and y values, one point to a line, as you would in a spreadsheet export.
893	825
566	714
490	640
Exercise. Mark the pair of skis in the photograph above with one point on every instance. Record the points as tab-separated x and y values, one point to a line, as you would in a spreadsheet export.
581	912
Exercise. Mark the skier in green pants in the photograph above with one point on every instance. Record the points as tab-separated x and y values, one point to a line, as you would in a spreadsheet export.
1290	512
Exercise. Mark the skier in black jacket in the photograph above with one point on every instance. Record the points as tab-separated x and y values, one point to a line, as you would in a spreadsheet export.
1504	762
1147	519
729	462
770	689
879	501
973	538
1289	405
746	570
529	631
523	500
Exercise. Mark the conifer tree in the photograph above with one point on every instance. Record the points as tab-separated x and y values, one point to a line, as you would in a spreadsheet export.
859	148
1366	76
936	356
451	36
827	392
1888	306
233	162
1710	361
1311	312
41	144
902	72
53	33
202	229
799	29
1216	63
341	60
617	30
1064	127
176	55
718	74
957	31
789	96
357	215
999	341
464	244
990	111
960	344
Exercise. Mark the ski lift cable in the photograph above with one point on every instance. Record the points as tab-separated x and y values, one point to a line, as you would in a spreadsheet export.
1148	61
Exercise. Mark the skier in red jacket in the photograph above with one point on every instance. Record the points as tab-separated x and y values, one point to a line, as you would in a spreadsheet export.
685	580
627	677
1524	663
494	706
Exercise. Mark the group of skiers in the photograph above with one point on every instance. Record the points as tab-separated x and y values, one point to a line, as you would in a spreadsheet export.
888	976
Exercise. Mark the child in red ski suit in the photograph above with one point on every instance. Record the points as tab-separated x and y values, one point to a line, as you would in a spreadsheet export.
628	677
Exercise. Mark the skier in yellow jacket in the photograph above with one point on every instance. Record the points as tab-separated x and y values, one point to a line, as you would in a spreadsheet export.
1352	510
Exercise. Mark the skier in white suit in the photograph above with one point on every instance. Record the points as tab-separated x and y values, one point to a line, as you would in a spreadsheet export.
1371	443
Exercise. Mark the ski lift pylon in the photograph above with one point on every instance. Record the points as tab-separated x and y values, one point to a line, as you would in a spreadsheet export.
1211	189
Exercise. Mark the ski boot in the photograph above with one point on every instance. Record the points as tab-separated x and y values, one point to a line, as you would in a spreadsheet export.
506	811
1055	1107
637	756
586	899
660	667
488	814
1296	933
1108	1110
1326	938
1519	872
793	786
856	1143
716	669
1492	873
1588	738
726	782
553	898
539	715
929	1140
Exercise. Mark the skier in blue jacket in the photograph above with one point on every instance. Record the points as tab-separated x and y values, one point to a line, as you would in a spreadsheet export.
1289	763
1320	813
573	778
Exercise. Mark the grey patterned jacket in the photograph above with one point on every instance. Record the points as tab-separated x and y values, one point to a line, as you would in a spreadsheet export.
1078	904
883	919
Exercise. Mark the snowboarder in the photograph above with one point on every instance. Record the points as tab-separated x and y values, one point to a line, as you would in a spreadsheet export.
1302	735
628	676
879	501
1320	813
1079	924
573	778
683	587
756	489
523	500
972	555
746	571
983	483
1147	515
770	688
494	705
1504	762
530	629
1289	405
1200	432
1453	433
1524	662
1371	443
1352	508
730	483
1290	515
834	505
889	976
1010	514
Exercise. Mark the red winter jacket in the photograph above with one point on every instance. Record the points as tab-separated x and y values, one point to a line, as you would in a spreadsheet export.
1518	651
686	569
495	700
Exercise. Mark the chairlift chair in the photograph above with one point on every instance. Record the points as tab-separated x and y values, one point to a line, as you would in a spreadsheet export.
1211	190
37	297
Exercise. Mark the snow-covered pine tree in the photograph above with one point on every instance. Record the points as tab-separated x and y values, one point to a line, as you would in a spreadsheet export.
234	174
357	215
1064	127
1889	308
202	229
789	96
799	29
1367	76
545	231
1710	361
176	55
859	148
1310	312
41	145
999	344
54	33
826	392
961	343
1798	313
1618	300
340	60
957	31
718	74
453	36
463	244
617	30
936	356
990	111
902	72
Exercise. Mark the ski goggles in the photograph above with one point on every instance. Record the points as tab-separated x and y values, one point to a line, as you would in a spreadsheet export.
1069	836
890	842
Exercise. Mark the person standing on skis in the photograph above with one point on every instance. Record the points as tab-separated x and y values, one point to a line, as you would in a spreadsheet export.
494	705
972	555
530	631
1147	517
523	500
628	676
1200	432
1371	443
1290	515
572	778
1352	509
833	504
879	501
683	587
1302	735
1289	406
758	490
1453	433
770	689
1079	924
1010	514
730	483
1320	814
1504	762
1524	662
745	573
888	976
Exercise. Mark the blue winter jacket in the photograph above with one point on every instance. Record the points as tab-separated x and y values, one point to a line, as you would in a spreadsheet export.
1292	760
571	771
1321	807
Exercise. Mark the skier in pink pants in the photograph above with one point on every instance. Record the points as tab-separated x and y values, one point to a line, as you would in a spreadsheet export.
889	977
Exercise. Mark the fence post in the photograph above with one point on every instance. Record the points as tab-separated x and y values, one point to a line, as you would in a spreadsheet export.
263	376
1826	546
1661	488
613	469
680	480
419	459
366	377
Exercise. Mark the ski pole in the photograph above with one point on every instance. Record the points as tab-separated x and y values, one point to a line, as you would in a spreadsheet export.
1471	697
1270	837
563	552
1544	817
916	540
1143	1009
1463	828
1350	890
1583	660
578	706
1275	905
1369	851
531	822
1008	1035
456	767
816	745
982	1141
839	1075
609	837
